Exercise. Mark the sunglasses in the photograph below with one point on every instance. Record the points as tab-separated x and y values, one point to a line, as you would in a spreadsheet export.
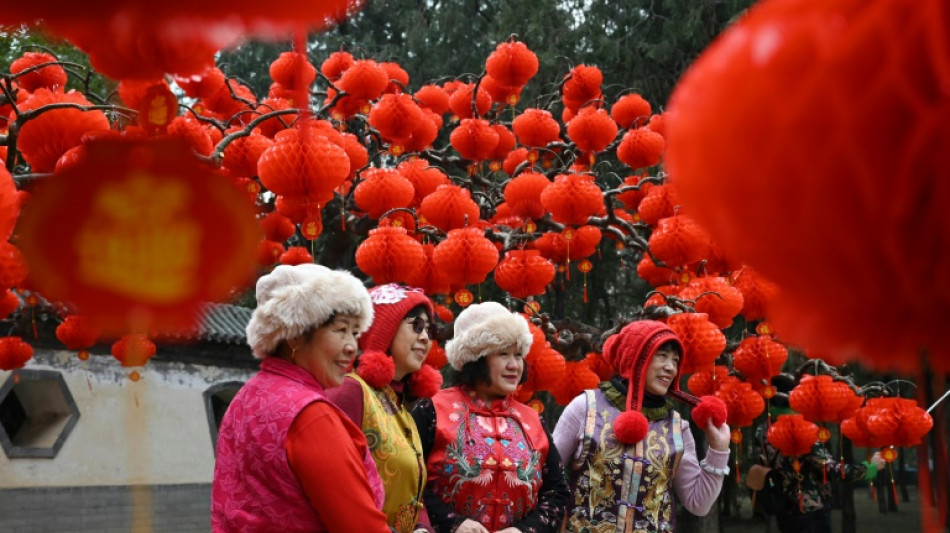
419	325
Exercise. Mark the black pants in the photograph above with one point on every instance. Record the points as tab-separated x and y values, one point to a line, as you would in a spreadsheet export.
814	522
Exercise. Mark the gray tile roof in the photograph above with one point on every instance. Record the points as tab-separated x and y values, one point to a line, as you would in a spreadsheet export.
222	323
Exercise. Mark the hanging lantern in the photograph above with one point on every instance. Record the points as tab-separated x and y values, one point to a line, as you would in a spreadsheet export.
474	139
652	274
158	235
389	255
449	207
678	241
757	293
512	63
466	256
436	357
792	435
577	378
703	342
760	358
536	128
293	71
242	154
743	404
641	148
464	297
433	97
9	204
516	160
268	252
631	111
506	143
631	199
856	427
364	80
14	353
398	77
460	102
395	117
658	203
573	199
382	189
50	77
867	182
13	266
158	108
427	277
901	422
715	297
305	164
9	302
77	333
45	138
335	64
523	194
524	273
277	227
581	86
296	255
592	130
190	131
819	398
707	380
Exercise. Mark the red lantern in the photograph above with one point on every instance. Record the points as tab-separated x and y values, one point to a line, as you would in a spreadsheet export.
398	77
464	297
449	207
382	189
158	235
536	128
13	266
158	108
335	64
792	435
759	358
293	71
592	130
434	98
512	64
707	381
502	94
9	204
474	139
389	255
524	273
9	302
577	378
305	164
296	255
277	227
242	154
819	398
582	86
866	184
365	80
742	403
558	248
506	143
133	349
641	148
45	138
51	77
652	274
631	110
190	131
77	333
573	199
395	117
856	427
715	297
901	422
466	256
678	241
702	341
523	194
658	203
460	101
631	199
14	353
425	179
427	277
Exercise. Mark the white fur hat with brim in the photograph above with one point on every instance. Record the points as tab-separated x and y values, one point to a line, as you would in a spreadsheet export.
293	299
486	328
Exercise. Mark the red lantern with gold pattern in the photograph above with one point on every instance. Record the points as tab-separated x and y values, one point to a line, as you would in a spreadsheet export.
466	256
524	273
139	235
389	255
792	435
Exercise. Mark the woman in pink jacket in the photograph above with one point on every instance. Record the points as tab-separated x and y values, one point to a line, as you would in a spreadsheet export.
288	460
628	451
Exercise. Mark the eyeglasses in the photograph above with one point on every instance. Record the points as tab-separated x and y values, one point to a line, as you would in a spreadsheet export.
419	325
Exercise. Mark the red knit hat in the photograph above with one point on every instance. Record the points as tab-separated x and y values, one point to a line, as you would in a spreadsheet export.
630	352
391	304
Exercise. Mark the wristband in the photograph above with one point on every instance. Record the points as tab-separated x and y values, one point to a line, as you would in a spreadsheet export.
713	470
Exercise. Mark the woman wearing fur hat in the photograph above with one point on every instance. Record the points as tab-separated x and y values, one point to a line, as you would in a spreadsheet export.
288	459
390	372
492	466
628	450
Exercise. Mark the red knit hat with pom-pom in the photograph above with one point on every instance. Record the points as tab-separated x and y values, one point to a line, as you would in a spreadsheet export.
391	304
630	351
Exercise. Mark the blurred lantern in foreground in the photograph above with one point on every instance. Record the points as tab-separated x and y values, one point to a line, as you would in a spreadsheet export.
863	216
137	235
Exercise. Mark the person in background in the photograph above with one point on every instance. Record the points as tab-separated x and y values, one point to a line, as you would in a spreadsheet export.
810	510
492	467
389	373
287	459
628	451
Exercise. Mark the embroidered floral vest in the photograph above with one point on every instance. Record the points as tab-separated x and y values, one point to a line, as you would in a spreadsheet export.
394	442
254	487
619	488
486	460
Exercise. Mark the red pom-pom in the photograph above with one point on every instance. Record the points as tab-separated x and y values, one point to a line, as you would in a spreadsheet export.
425	382
631	427
709	408
376	368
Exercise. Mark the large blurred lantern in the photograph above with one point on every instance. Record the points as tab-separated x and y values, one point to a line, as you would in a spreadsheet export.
137	235
853	207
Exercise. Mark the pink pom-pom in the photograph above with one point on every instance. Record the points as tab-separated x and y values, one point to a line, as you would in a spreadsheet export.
376	368
425	382
709	408
631	427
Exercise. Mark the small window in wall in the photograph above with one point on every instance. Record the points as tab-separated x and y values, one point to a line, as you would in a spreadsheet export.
37	414
217	400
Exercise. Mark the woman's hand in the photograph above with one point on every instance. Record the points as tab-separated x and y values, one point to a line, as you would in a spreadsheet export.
878	461
718	437
471	526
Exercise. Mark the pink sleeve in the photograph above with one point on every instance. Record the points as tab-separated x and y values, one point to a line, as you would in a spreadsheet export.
696	488
569	430
349	398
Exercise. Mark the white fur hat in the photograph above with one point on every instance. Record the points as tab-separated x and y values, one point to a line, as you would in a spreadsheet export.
293	299
484	328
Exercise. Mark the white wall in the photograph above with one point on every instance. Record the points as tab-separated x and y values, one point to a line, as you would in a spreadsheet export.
154	431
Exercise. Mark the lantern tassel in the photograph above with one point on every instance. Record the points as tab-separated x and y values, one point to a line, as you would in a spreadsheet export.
585	288
738	455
